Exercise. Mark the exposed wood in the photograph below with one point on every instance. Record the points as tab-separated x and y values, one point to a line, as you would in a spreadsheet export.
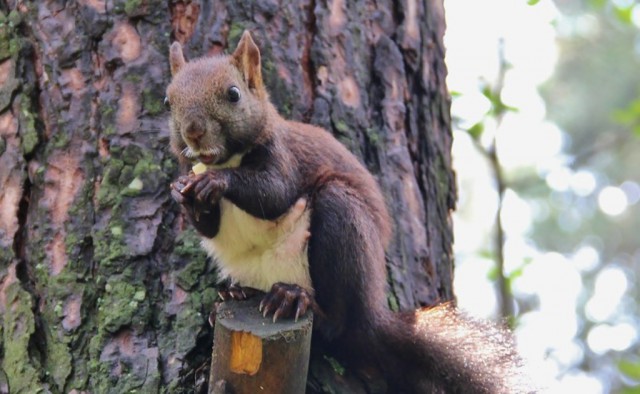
252	354
246	353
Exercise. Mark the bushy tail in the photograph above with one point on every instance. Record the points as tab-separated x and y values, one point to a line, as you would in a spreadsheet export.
439	350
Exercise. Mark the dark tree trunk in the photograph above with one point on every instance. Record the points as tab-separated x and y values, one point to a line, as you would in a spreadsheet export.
103	286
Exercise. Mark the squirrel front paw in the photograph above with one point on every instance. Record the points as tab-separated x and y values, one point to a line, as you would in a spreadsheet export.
182	191
207	187
204	215
284	300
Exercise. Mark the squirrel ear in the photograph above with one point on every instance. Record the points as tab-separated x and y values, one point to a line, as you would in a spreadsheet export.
246	58
176	58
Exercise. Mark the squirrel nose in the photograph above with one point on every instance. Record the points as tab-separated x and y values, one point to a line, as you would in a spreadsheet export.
195	130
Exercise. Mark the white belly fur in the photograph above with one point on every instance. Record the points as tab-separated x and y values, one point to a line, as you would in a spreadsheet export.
258	253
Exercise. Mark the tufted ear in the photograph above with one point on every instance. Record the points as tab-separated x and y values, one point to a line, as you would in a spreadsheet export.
176	58
246	58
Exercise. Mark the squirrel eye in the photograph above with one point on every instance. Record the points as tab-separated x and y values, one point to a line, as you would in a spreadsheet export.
167	104
233	94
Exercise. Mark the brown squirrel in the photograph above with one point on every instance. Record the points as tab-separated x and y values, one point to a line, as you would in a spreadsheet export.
286	209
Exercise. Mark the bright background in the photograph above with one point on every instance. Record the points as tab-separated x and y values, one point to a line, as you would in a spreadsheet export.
555	87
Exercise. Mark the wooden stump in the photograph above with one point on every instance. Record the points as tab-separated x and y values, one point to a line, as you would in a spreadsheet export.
251	354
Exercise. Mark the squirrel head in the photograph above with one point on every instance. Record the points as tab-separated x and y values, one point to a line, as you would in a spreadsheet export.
219	106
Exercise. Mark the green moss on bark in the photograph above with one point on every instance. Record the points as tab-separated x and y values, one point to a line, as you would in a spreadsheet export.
235	31
10	43
122	305
131	6
109	187
152	103
188	246
280	93
190	275
129	173
110	248
28	133
58	358
18	327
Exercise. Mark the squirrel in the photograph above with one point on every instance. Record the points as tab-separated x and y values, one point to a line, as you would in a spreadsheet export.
286	209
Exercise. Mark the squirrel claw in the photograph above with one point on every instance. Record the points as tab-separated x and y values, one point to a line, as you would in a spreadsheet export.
286	301
300	310
236	292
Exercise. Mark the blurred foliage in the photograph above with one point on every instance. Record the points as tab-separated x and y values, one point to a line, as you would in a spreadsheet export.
594	97
630	369
629	117
496	112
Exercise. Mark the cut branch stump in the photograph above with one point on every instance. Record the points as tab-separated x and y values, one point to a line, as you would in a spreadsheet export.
251	354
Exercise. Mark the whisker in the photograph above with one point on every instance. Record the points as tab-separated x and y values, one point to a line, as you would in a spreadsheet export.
188	153
215	151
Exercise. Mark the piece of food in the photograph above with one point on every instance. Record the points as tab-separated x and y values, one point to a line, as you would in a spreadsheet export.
199	168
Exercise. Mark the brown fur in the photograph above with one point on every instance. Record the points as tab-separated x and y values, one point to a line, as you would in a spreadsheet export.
431	351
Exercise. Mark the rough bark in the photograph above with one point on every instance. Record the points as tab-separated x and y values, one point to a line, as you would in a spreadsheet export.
102	284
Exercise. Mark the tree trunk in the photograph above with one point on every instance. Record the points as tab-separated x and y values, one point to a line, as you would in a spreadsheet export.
103	286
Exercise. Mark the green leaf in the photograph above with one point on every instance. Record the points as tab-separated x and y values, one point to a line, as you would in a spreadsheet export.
476	130
630	369
493	273
624	14
533	2
629	116
516	273
622	117
498	107
487	254
488	93
630	390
